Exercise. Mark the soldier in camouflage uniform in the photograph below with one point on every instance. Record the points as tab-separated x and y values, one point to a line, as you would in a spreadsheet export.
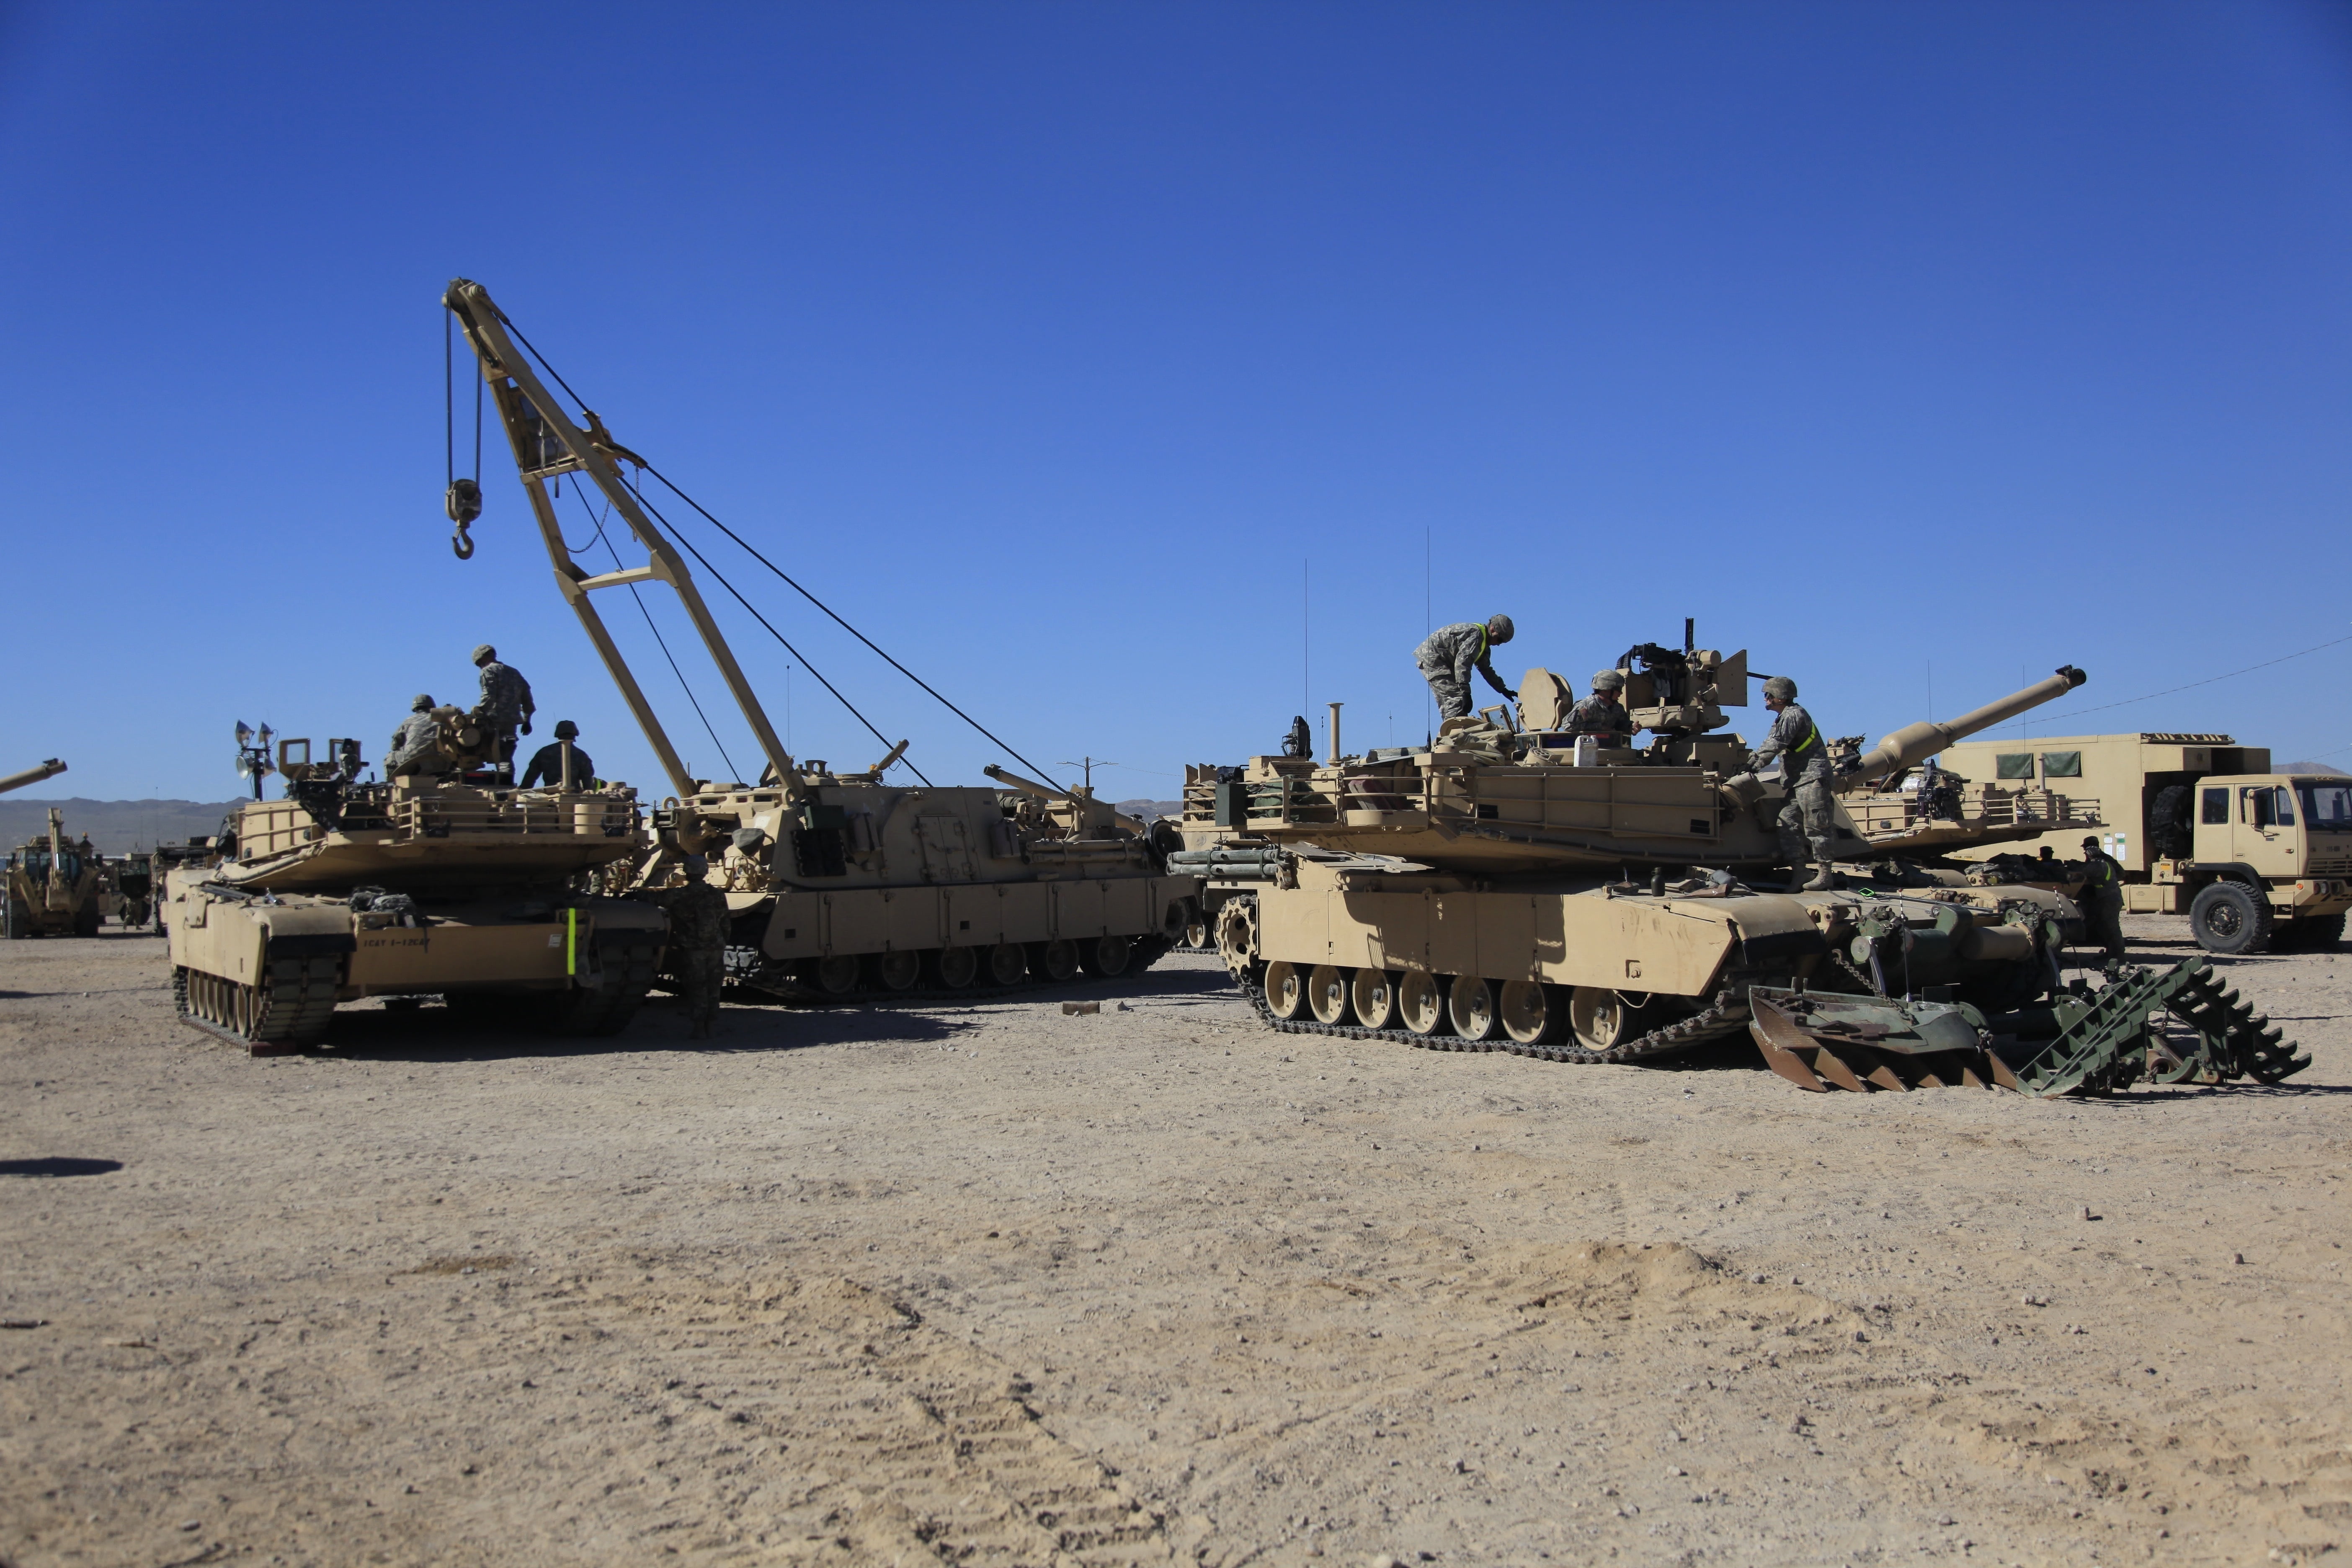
506	704
1603	713
1807	821
2103	899
697	943
1449	654
414	741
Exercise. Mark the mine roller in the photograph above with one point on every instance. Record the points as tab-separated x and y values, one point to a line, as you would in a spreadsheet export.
1511	886
843	884
440	881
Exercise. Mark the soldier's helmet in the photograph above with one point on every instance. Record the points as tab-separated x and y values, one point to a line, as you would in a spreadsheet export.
565	730
1498	628
484	654
1608	680
1781	686
2090	843
421	703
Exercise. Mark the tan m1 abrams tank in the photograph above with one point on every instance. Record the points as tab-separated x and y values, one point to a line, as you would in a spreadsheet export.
842	884
54	884
423	885
1522	889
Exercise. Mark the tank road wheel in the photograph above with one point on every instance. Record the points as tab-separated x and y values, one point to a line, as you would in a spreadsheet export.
953	968
1196	930
835	975
1470	1008
1107	957
1601	1020
1327	992
1286	989
1533	1014
1373	995
1420	1001
2230	917
898	970
1054	961
1006	963
1176	924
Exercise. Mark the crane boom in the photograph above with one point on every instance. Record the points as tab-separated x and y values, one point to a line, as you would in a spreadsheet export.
547	444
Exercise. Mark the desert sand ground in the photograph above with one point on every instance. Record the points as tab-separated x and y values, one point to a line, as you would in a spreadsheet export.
994	1285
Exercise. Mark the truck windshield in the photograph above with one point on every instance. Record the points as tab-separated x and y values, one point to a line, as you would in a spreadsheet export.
2327	805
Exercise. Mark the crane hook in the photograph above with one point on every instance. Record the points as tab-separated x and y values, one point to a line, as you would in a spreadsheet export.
461	544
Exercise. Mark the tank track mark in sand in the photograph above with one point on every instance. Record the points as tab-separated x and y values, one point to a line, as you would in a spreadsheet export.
1727	1014
1147	952
288	1012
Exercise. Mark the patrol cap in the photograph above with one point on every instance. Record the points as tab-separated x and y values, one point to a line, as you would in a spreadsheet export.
420	702
1499	628
565	730
696	866
1608	680
484	654
1781	686
2090	843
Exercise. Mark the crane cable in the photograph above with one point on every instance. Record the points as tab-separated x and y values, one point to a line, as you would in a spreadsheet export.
844	625
658	639
720	578
556	377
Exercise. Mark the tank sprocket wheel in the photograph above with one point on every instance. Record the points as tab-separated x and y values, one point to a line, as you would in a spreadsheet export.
1238	935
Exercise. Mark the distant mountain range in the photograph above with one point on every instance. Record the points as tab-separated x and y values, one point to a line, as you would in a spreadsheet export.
115	826
2311	768
1147	809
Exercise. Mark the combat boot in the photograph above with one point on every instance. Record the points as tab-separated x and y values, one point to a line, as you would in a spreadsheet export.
1824	879
1796	878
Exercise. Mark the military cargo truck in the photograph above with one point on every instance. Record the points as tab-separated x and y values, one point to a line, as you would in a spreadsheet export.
2256	859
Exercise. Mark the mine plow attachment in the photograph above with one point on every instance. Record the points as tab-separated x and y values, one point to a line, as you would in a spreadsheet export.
1821	1040
2104	1040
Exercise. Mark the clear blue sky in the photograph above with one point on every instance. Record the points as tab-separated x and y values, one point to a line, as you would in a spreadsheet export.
1900	344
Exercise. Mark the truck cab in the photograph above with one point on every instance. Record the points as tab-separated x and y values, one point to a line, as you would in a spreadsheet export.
2270	864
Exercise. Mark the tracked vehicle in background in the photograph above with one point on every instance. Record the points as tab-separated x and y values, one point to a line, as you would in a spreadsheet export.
426	885
842	884
53	883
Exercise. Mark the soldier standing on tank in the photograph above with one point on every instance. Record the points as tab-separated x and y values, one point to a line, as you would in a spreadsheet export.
1807	821
1449	654
506	704
414	739
2103	899
547	763
698	941
1603	713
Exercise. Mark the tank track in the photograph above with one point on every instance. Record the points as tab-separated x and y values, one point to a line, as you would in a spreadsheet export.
772	980
292	1008
1727	1014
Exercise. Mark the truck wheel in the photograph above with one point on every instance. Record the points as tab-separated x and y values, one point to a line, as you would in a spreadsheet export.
86	919
2230	917
20	919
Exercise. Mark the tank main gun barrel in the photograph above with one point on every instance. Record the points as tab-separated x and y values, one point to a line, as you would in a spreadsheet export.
1915	743
1047	792
48	770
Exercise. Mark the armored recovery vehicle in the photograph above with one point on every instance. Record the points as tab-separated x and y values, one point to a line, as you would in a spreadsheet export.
54	884
841	884
423	885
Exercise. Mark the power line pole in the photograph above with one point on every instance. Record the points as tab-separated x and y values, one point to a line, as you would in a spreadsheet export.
1089	764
